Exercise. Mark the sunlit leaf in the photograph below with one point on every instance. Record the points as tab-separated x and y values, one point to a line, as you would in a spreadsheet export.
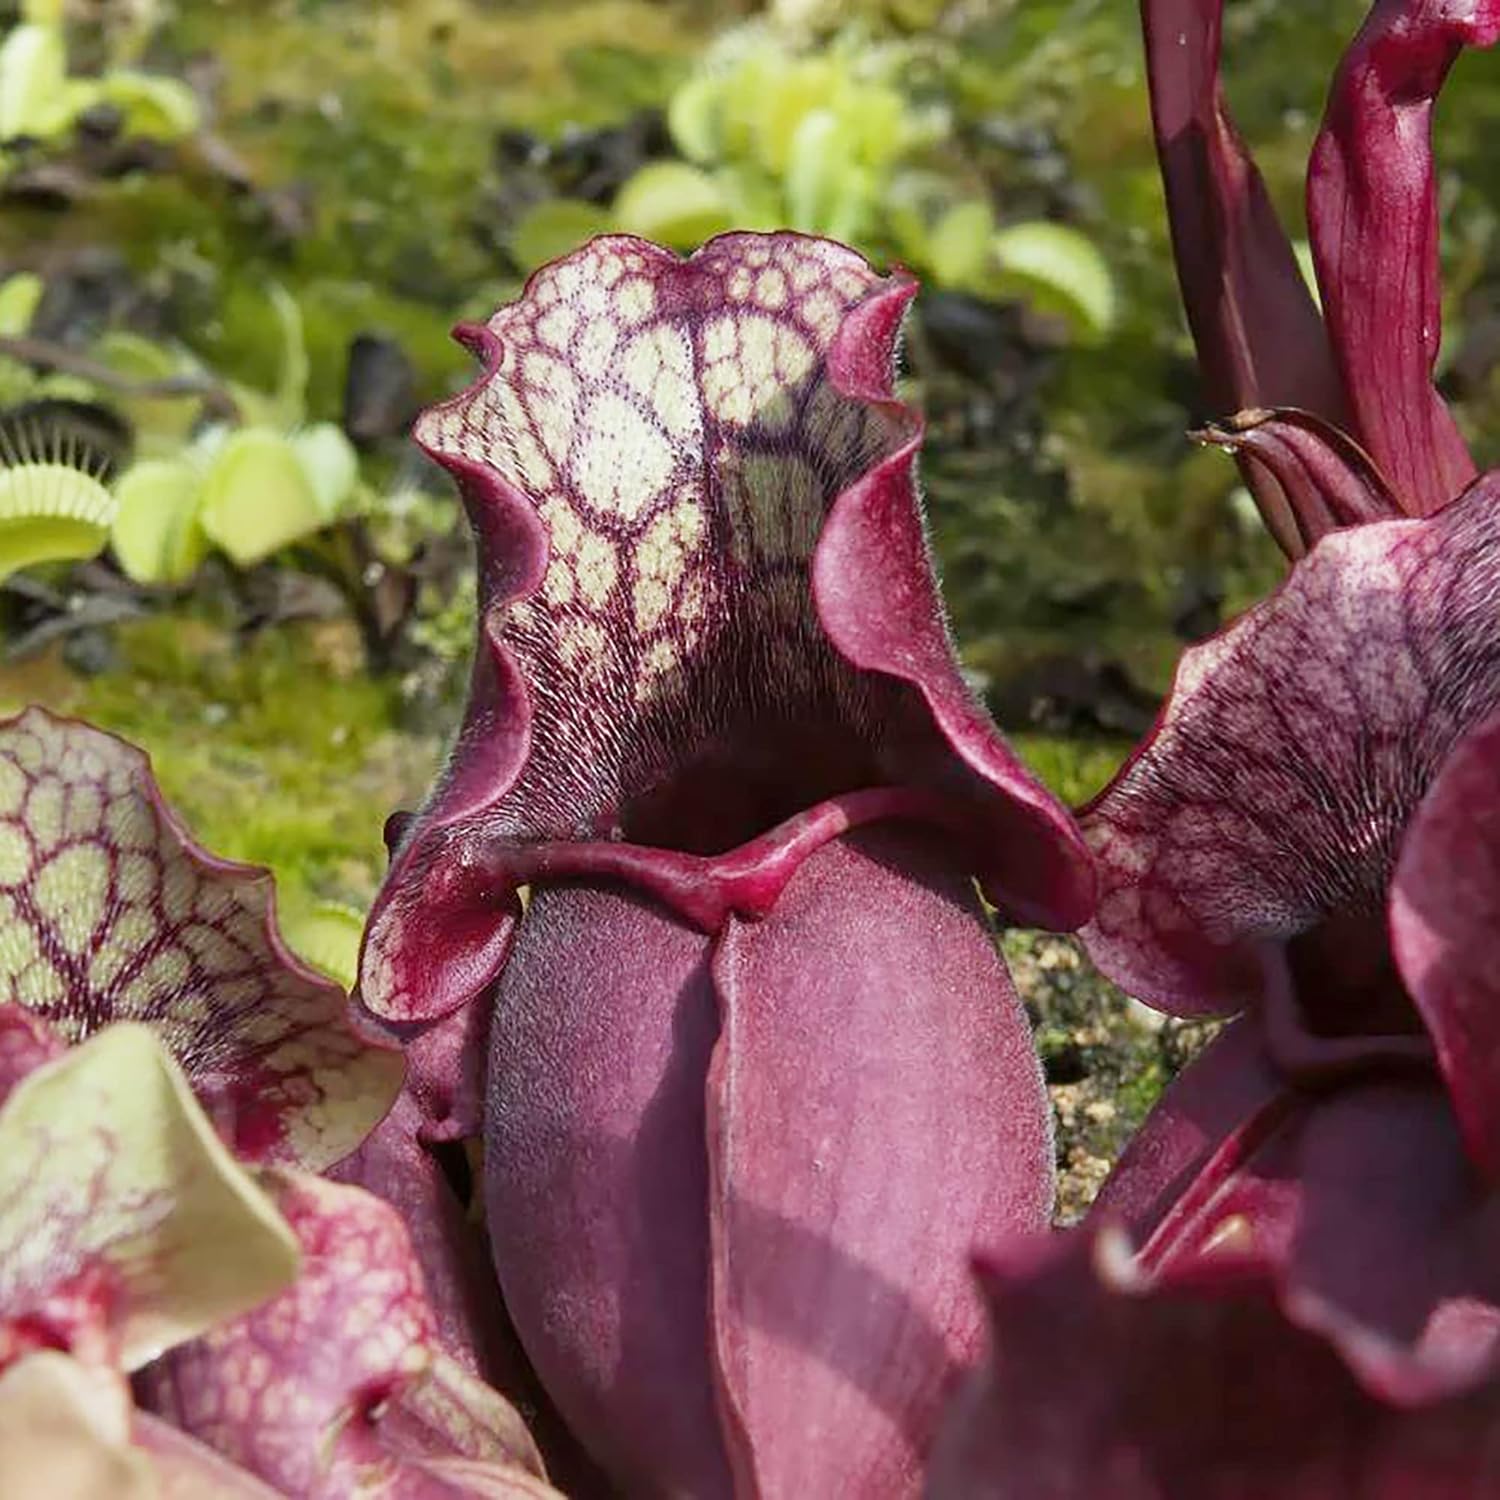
258	496
34	95
19	296
328	937
554	227
330	463
693	117
1057	269
157	535
115	1189
160	108
674	203
162	424
51	512
958	246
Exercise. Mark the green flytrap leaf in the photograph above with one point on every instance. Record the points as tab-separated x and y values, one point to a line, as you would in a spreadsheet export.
327	936
163	109
675	203
157	535
1058	269
19	297
50	511
264	491
554	227
34	96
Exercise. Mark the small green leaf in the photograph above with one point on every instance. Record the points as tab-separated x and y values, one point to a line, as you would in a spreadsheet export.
694	117
157	535
328	937
163	424
34	95
258	497
291	384
50	512
673	202
958	247
19	298
1057	269
330	463
164	109
554	227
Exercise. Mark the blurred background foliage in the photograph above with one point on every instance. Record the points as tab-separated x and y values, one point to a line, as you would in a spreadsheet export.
233	238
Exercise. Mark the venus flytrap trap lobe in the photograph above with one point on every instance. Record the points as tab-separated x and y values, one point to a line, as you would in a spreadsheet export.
716	725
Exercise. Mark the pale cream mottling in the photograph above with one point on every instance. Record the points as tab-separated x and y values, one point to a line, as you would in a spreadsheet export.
44	812
15	855
556	327
12	787
557	585
771	289
596	569
563	525
85	812
721	338
69	893
608	480
635	301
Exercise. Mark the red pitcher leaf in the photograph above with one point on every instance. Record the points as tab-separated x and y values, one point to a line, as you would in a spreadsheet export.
875	1109
679	472
1260	339
1445	913
596	1179
396	1165
110	912
1356	1196
1271	797
1372	212
125	1226
320	1391
1327	479
1102	1381
1206	1124
25	1044
65	1433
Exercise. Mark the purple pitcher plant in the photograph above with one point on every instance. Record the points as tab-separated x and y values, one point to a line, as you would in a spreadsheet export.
172	1080
756	1077
1309	839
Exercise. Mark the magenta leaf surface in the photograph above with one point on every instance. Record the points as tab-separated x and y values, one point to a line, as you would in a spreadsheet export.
110	912
711	639
1445	914
678	1203
1259	336
1372	213
337	1386
842	1306
1197	1383
1271	798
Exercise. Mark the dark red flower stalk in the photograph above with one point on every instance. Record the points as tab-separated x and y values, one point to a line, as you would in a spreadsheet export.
757	1078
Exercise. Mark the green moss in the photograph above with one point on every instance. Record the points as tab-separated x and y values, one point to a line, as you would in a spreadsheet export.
1075	769
277	749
